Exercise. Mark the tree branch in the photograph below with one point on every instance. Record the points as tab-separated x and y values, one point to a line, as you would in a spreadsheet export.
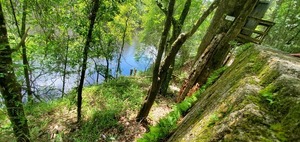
203	17
21	42
185	12
160	6
15	18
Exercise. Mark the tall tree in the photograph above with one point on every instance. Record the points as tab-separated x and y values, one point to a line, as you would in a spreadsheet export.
143	113
65	62
24	51
160	73
219	25
122	27
213	58
118	70
92	18
177	25
9	87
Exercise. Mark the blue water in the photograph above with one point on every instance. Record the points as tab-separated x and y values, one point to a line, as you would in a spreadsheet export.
132	58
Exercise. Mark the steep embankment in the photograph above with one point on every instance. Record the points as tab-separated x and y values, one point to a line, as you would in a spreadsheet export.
256	99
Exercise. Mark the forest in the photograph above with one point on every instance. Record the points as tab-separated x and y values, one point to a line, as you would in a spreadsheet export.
132	70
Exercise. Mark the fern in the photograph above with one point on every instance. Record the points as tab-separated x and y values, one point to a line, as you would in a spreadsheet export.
169	122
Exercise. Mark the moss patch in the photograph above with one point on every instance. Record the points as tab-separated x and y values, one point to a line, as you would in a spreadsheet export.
261	87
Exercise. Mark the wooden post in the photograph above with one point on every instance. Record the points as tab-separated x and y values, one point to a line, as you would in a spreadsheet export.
134	72
131	71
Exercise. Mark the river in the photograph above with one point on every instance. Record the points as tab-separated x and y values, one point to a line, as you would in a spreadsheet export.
49	86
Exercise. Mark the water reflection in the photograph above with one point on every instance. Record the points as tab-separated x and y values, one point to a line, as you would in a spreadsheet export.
49	86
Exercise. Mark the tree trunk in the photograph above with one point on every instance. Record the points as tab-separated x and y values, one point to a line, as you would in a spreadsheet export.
24	53
107	74
85	56
159	74
218	23
231	33
152	92
9	87
177	27
118	71
65	68
200	64
182	38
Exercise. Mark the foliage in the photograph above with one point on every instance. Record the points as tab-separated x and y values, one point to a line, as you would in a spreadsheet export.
285	34
268	93
102	107
104	104
56	35
169	123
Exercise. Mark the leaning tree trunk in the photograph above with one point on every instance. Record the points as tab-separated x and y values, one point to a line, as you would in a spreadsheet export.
200	64
218	23
10	88
159	74
217	60
85	56
152	92
177	27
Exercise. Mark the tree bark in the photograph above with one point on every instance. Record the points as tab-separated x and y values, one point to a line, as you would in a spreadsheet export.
223	47
159	74
200	64
152	92
10	88
218	23
183	37
177	27
85	56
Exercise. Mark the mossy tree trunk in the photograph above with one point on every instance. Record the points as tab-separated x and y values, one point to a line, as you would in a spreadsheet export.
205	64
10	88
220	25
200	64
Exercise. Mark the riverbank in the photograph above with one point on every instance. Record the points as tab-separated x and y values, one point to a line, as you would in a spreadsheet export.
109	112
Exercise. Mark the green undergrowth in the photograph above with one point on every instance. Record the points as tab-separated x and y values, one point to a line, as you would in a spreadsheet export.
168	123
106	104
102	106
